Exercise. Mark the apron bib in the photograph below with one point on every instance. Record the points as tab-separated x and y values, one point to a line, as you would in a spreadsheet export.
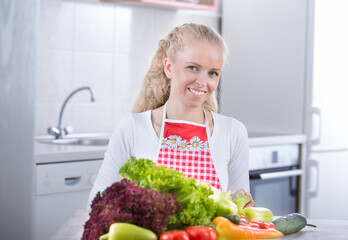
184	147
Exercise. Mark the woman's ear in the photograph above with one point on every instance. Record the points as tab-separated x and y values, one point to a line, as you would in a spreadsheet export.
167	63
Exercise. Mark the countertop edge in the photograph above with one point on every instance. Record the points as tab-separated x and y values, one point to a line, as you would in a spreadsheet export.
46	153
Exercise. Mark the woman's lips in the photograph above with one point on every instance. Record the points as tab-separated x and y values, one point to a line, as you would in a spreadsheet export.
197	92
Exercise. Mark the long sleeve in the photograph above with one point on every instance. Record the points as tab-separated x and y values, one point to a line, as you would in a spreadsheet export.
230	152
238	166
118	152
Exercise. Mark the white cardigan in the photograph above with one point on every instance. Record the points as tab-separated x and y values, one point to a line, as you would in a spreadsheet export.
135	136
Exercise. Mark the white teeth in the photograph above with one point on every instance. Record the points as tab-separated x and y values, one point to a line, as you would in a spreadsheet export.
198	93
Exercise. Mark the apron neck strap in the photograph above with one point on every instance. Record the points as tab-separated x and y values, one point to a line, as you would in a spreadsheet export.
164	112
165	116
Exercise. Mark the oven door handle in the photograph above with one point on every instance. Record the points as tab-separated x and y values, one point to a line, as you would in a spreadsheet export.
281	174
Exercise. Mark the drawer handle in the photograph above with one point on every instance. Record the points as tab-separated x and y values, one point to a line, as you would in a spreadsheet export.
72	181
281	174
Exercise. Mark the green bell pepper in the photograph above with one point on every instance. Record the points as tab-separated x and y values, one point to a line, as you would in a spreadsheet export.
224	205
258	214
128	231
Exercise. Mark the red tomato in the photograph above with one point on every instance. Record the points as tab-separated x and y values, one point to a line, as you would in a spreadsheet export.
244	219
271	225
175	235
254	225
265	225
201	232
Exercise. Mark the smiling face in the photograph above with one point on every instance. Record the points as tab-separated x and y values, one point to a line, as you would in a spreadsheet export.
194	73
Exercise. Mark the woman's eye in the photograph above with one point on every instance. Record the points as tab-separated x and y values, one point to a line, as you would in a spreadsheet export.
193	68
214	74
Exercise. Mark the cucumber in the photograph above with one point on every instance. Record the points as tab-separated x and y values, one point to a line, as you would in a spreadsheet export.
291	223
235	218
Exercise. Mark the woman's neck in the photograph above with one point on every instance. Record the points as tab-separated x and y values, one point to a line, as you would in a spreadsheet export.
181	111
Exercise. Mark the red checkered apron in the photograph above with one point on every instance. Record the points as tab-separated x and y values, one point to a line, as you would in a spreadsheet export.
185	148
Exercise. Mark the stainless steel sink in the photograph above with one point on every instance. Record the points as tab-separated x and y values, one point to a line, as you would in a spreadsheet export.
77	141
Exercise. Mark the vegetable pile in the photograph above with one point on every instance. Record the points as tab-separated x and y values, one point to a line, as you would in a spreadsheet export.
198	207
125	202
151	201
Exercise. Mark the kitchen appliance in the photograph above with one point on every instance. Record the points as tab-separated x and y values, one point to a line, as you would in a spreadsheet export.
328	156
271	83
274	170
263	86
61	188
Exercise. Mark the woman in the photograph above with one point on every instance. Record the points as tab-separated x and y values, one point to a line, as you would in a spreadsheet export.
175	121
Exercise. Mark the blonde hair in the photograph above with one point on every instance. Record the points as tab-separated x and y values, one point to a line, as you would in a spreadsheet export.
156	88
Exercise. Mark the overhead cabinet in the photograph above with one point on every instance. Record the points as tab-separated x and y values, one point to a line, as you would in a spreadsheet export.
188	4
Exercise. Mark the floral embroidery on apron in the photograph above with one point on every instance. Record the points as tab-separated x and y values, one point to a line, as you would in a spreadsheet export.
185	148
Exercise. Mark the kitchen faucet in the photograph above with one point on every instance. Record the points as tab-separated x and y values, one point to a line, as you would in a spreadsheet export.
60	131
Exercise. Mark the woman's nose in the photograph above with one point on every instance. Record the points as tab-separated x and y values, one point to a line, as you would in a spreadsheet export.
202	79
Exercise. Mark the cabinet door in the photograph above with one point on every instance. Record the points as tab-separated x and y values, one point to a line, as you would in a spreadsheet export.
263	81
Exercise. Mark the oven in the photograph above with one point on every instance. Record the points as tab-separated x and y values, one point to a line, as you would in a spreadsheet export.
274	173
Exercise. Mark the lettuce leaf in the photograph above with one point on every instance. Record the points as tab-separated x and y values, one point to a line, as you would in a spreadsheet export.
198	207
123	201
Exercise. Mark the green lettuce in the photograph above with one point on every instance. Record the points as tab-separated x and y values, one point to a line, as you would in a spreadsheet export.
198	207
241	201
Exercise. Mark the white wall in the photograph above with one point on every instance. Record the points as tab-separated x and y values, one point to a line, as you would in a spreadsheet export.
106	46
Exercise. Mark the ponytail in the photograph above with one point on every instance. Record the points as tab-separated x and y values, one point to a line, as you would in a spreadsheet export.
156	88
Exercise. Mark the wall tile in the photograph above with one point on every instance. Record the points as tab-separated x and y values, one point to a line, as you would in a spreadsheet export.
123	22
124	84
90	118
120	110
144	39
94	27
46	115
56	24
164	22
54	76
167	19
94	70
189	16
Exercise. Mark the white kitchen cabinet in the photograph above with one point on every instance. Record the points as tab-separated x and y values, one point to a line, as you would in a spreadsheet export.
61	188
64	177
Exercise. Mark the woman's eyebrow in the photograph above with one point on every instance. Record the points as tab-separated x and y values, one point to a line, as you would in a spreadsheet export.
194	64
215	69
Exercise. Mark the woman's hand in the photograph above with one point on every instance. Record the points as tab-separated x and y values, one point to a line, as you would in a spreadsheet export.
241	191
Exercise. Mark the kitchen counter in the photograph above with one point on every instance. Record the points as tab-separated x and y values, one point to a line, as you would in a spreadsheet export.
50	153
72	229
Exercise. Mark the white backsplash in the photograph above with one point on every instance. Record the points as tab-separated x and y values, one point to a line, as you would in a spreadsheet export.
106	46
